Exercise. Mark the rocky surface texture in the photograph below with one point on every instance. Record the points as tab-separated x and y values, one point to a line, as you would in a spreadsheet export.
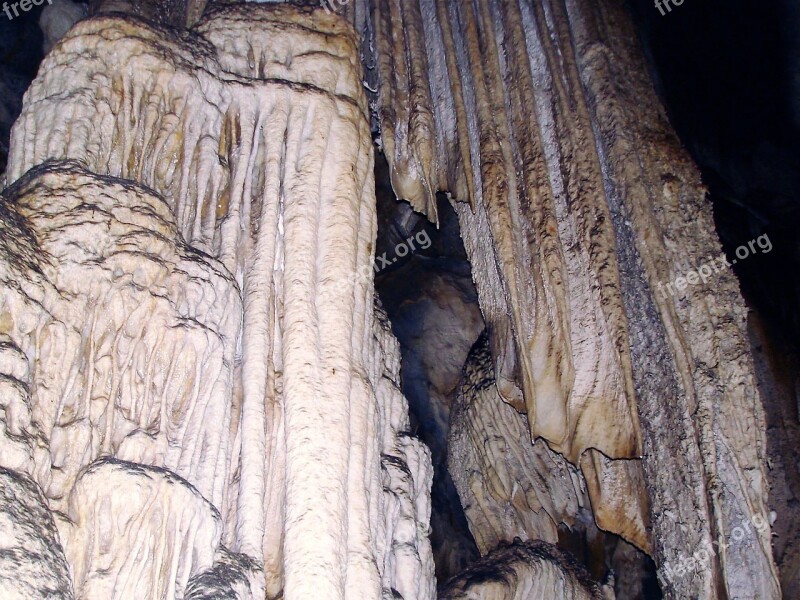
509	486
32	563
200	396
514	489
519	571
185	299
579	206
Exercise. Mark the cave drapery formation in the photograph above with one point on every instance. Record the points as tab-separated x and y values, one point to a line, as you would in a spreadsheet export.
193	365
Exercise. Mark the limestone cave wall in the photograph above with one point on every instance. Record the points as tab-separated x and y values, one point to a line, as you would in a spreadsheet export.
202	396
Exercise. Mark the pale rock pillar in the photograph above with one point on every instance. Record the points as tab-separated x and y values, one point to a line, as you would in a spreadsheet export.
248	137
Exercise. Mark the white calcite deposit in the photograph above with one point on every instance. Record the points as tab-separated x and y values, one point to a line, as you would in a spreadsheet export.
170	296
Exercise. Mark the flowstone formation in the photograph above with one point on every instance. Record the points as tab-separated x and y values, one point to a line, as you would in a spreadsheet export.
197	380
200	397
576	201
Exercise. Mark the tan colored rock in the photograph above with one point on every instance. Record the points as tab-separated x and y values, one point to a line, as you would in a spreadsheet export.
541	240
196	295
584	208
513	487
509	486
524	570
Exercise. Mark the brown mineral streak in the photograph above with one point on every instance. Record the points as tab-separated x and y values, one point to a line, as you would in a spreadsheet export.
586	195
550	158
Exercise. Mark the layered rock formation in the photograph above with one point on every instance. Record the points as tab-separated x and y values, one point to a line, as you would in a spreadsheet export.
581	203
198	395
185	298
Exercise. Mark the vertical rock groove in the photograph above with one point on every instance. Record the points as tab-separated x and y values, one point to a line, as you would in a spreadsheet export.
583	207
551	292
246	143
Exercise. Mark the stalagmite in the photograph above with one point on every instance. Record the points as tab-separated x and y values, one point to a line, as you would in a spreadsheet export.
520	571
221	312
108	283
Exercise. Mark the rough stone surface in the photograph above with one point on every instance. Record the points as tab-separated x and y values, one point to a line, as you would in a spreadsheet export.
232	577
511	486
137	532
523	570
582	208
32	563
192	297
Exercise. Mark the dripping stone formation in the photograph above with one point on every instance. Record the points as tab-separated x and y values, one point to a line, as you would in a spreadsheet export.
203	397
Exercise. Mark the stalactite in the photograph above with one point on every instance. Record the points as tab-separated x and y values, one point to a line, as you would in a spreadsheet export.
714	419
540	238
512	488
583	208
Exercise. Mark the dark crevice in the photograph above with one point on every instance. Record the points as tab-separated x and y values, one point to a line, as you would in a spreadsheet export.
425	284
